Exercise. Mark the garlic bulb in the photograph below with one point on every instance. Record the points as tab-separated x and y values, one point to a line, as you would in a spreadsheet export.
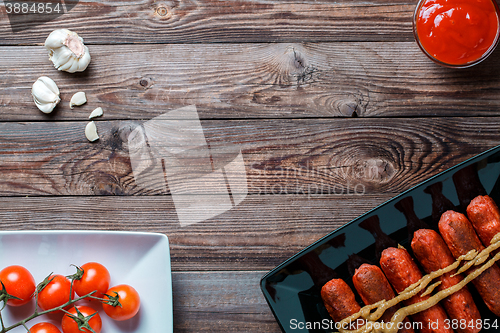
67	51
45	94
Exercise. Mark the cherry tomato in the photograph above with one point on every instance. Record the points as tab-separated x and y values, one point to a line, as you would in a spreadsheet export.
18	282
56	293
95	277
69	325
129	300
44	328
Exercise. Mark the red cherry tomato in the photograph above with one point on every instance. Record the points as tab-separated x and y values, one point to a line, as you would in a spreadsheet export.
18	282
69	325
44	328
129	300
95	277
56	293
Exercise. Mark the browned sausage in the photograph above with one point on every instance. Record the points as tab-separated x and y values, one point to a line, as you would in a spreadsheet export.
339	299
401	271
460	237
433	254
484	215
372	285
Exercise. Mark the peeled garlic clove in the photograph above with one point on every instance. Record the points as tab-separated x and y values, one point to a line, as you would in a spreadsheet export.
78	99
67	51
91	132
45	94
96	113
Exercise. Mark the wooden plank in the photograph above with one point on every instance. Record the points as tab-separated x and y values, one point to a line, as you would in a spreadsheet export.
261	232
336	156
220	302
241	81
213	21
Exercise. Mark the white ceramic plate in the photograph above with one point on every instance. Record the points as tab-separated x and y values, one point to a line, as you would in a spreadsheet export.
141	260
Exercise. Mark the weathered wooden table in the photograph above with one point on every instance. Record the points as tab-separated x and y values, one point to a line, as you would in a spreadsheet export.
331	103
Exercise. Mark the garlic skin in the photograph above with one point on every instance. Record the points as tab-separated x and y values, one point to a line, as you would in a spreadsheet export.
45	94
67	51
78	99
91	132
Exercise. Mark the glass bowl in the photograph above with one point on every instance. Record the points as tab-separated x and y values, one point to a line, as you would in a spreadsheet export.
446	38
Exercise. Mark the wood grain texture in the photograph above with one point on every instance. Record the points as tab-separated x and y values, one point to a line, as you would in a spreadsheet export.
260	233
244	81
210	21
233	298
336	156
332	105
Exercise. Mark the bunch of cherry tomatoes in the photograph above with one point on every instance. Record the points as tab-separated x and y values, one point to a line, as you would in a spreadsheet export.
57	294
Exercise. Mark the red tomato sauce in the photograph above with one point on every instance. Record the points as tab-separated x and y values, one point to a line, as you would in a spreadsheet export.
457	32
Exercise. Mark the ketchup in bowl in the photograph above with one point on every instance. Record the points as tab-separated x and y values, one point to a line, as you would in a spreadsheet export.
457	33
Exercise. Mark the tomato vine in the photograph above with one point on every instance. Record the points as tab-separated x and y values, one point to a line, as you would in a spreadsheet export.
82	321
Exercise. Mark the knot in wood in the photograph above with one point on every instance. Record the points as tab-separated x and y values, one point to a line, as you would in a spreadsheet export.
349	107
287	64
144	82
162	10
363	165
375	170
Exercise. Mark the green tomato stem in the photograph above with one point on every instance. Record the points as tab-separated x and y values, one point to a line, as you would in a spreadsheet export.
38	314
1	321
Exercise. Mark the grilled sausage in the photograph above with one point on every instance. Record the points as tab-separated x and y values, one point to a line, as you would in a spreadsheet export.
484	215
401	271
339	299
460	238
372	285
433	254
